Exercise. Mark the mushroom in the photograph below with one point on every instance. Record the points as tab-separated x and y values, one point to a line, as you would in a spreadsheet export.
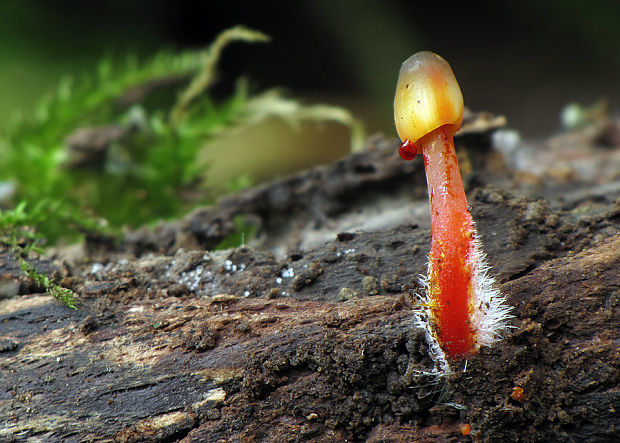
466	309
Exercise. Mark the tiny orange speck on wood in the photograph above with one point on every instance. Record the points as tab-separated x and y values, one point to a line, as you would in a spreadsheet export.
518	394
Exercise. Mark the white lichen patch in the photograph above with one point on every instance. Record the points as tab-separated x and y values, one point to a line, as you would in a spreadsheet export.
122	351
170	419
229	266
288	272
195	270
203	274
217	395
195	278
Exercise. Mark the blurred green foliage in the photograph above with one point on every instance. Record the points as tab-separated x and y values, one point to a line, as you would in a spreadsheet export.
153	117
142	175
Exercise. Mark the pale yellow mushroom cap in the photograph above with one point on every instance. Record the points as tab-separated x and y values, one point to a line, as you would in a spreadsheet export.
427	97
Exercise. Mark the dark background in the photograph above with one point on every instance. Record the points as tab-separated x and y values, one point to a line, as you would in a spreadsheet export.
520	58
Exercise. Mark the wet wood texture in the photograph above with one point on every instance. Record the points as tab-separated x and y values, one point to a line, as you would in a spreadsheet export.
291	339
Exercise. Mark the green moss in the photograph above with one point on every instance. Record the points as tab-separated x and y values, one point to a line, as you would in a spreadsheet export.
162	114
18	236
145	173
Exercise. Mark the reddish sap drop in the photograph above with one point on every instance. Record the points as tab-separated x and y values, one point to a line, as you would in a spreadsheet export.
518	393
407	150
465	429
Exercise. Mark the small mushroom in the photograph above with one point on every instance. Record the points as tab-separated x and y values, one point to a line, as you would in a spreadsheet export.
467	310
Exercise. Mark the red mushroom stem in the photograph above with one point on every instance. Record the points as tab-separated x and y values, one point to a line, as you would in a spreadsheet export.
451	271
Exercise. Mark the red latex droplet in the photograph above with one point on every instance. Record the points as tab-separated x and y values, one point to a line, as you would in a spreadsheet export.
465	428
407	150
518	394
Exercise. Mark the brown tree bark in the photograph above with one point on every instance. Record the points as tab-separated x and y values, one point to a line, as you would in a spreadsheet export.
306	333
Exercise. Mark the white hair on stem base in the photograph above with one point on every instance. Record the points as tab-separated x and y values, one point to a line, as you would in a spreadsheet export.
489	313
423	319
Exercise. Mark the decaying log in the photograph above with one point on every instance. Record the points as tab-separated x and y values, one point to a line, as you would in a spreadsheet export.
306	333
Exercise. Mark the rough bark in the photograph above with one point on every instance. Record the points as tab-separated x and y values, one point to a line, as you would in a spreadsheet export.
306	333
